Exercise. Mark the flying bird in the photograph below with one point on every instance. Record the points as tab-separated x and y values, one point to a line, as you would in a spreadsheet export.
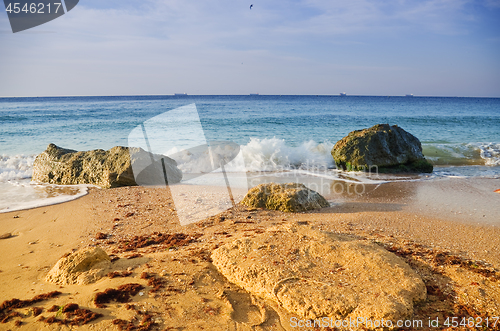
251	6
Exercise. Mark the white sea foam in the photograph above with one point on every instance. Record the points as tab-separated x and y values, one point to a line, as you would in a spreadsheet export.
16	167
490	152
273	154
269	154
18	195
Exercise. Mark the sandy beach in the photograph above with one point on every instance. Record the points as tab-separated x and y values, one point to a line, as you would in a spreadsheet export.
436	227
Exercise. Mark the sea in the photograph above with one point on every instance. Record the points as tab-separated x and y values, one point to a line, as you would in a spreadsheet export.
290	134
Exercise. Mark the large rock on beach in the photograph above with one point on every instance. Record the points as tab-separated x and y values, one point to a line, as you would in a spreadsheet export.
316	274
291	197
82	267
389	148
111	168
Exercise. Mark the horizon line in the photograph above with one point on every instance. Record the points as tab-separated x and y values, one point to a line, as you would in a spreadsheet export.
249	94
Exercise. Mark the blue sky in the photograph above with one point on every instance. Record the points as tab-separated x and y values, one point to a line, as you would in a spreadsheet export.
363	47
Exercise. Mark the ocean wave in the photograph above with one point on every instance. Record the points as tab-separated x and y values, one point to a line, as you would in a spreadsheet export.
463	154
273	154
16	167
269	154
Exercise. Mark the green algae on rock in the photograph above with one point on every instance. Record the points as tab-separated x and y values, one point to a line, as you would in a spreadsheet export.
381	148
291	197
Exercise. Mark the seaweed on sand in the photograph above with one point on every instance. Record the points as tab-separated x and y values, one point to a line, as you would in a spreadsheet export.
121	294
7	306
153	281
145	325
156	238
74	316
114	274
37	311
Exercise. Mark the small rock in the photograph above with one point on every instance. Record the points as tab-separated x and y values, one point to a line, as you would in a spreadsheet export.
6	235
291	197
81	267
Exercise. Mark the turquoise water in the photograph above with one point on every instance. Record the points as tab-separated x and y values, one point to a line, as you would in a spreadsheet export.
459	135
28	125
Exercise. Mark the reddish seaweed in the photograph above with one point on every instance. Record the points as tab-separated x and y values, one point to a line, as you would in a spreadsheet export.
53	308
175	239
153	281
70	307
74	316
133	256
81	316
100	236
8	305
37	311
120	294
114	274
145	325
441	258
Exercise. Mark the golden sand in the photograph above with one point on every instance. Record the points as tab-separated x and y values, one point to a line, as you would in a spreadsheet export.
455	258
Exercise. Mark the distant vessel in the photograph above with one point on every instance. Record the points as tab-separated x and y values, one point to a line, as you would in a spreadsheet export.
180	94
409	95
342	94
254	93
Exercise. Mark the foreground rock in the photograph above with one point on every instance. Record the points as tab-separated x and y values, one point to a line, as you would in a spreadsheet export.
82	267
389	148
315	274
289	197
112	168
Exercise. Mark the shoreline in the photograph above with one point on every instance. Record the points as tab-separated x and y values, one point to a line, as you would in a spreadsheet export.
387	216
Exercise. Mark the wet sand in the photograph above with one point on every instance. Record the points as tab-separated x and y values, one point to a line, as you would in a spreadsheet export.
428	223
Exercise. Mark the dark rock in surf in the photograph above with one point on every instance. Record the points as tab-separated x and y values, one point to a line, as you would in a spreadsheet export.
107	169
382	147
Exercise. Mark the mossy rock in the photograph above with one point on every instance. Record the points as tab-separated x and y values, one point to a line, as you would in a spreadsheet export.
291	197
381	148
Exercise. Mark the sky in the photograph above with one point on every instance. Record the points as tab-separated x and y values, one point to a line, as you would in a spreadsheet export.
360	47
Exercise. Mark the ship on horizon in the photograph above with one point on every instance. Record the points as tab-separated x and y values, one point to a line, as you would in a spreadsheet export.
343	94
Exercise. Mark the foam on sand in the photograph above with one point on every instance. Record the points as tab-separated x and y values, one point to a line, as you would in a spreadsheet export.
25	195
